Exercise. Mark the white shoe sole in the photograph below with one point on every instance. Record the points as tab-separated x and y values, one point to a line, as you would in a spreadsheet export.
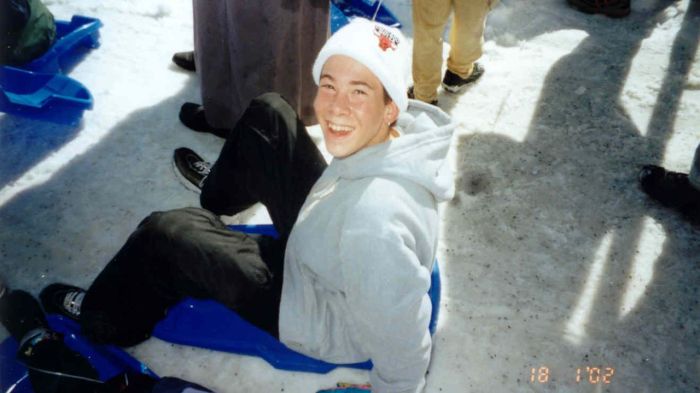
455	90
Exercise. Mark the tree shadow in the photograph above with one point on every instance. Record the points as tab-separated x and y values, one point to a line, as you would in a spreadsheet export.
25	142
545	237
58	227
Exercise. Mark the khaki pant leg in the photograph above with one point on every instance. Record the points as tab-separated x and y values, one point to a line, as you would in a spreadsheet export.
467	34
429	19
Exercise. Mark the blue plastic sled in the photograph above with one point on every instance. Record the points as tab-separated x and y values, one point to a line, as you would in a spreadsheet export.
108	360
50	97
343	10
39	90
208	324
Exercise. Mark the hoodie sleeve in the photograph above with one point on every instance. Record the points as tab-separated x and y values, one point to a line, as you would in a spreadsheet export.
386	292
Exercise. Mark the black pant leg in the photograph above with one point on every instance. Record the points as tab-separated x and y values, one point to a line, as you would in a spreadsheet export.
121	306
269	158
171	255
263	309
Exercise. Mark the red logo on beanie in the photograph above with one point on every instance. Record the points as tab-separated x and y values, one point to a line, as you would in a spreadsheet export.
387	40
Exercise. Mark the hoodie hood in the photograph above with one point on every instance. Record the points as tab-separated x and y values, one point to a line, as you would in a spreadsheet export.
418	155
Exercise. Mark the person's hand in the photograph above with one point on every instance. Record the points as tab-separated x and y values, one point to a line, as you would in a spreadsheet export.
343	387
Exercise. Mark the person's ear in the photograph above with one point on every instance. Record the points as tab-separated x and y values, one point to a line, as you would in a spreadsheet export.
391	113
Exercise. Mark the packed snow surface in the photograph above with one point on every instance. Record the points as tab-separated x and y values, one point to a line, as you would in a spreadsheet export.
559	274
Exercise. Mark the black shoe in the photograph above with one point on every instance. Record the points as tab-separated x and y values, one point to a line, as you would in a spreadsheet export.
185	60
62	299
190	168
454	83
611	8
671	189
20	313
412	96
193	116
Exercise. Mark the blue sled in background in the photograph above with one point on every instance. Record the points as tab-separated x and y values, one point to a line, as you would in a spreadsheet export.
39	89
343	10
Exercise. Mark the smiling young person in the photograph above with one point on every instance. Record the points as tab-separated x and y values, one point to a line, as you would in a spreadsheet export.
352	108
348	276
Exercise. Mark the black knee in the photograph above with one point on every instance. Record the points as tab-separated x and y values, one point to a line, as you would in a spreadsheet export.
272	117
126	331
174	224
271	103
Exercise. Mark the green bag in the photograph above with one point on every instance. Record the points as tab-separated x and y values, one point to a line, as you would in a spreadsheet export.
33	40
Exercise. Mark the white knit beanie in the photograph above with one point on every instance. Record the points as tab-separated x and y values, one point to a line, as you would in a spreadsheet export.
378	47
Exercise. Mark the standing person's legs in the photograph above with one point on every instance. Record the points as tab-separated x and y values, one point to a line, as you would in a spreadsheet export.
694	176
429	19
185	252
212	57
280	59
269	158
467	35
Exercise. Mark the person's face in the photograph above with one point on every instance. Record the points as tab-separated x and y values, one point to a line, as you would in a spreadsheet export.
350	107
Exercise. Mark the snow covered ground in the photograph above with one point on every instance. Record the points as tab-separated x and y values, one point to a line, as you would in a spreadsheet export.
552	259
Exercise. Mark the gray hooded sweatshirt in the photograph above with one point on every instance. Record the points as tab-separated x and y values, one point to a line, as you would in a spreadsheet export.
358	260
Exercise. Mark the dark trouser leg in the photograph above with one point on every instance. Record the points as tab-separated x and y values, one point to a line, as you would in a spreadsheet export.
185	252
268	158
263	309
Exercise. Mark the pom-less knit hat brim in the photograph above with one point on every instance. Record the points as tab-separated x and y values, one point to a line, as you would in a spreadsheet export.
376	46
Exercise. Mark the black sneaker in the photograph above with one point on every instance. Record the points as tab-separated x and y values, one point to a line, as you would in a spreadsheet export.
454	83
185	60
190	168
412	96
62	299
193	117
20	313
671	189
611	8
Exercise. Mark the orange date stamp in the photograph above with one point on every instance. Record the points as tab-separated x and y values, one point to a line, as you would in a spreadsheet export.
593	375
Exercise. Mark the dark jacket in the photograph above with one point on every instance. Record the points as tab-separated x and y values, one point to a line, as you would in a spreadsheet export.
27	31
